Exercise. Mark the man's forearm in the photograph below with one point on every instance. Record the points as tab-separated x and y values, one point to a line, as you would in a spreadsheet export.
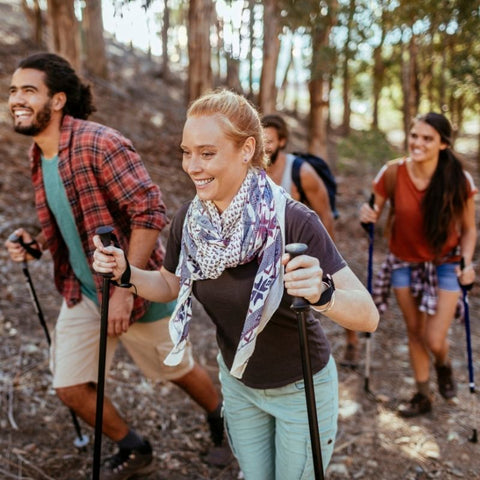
141	245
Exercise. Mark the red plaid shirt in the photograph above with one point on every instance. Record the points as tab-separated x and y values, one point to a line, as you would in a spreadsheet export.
106	184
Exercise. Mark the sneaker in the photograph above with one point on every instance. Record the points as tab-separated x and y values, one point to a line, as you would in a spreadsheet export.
127	464
446	383
418	405
350	357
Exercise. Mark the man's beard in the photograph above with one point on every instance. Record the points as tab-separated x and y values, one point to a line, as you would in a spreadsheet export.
274	156
39	123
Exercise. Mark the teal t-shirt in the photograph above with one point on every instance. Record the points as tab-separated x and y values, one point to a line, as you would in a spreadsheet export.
60	207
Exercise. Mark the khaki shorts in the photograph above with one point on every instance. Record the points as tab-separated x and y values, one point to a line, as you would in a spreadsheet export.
75	344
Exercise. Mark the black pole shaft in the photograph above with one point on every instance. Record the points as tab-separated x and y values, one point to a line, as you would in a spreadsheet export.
105	233
97	449
368	335
471	377
35	302
300	306
81	440
468	335
310	397
370	229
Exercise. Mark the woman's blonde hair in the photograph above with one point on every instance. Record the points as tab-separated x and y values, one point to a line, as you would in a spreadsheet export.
239	118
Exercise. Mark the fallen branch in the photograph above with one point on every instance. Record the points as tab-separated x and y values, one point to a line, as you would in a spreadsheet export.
33	467
10	407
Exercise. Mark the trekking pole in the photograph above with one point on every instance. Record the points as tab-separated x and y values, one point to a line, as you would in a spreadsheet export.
370	229
105	234
81	440
471	380
300	306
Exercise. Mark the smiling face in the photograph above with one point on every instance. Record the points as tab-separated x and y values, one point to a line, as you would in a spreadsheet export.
273	143
216	165
29	101
424	143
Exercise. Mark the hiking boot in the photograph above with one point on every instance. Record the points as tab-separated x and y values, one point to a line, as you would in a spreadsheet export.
418	405
220	455
217	427
350	357
446	383
127	463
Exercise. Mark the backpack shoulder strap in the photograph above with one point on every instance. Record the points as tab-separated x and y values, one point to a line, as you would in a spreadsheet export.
390	181
391	178
297	163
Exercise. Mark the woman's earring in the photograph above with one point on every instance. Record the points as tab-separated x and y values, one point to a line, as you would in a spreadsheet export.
245	160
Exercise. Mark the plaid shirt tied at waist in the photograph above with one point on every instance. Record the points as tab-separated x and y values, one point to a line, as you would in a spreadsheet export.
423	285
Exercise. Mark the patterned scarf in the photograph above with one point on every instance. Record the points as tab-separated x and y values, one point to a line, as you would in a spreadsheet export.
251	226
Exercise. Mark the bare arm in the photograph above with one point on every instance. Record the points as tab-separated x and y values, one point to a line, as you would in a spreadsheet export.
141	244
371	215
353	307
317	196
467	242
157	286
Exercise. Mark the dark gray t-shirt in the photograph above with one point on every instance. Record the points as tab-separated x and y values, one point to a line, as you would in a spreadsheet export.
276	360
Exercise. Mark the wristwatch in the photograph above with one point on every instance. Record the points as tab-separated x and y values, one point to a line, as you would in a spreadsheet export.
327	294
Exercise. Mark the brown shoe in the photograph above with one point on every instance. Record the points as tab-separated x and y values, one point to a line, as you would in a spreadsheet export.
219	456
418	405
350	357
446	383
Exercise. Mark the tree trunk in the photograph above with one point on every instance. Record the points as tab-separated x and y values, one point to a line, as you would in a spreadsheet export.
267	97
199	67
165	28
318	116
34	16
251	5
346	71
378	74
95	61
64	34
410	87
233	74
282	94
319	84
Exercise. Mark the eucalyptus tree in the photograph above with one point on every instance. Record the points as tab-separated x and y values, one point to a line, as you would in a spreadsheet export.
95	57
63	26
315	18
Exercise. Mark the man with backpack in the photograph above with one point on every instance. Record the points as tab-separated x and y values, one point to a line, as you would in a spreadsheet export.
308	180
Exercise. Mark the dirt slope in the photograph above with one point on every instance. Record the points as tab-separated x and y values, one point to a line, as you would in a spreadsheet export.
36	440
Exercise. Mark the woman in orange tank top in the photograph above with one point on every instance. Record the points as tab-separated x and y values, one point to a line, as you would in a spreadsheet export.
433	227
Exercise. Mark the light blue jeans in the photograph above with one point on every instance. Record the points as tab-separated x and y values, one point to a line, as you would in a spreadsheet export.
268	429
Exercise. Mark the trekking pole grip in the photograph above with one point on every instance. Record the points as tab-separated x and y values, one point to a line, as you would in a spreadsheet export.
371	204
106	234
468	287
34	252
295	249
301	306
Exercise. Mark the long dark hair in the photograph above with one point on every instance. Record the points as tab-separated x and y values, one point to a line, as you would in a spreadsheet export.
447	192
61	77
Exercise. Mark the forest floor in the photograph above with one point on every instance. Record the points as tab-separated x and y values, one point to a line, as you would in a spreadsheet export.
37	434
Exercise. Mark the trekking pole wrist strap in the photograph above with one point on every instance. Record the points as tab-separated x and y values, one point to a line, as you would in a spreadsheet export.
124	281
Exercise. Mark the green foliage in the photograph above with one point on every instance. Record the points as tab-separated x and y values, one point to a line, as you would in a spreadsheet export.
367	149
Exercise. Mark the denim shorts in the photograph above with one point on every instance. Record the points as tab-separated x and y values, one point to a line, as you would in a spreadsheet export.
447	278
